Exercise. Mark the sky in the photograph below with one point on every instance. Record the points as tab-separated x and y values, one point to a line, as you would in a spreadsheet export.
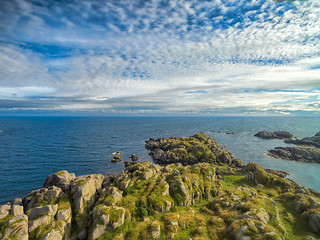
158	57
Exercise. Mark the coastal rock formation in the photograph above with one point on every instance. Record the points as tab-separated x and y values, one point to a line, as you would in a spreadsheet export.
308	141
205	200
274	135
190	150
300	154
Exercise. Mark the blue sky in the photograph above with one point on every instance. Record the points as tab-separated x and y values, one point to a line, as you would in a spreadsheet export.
157	57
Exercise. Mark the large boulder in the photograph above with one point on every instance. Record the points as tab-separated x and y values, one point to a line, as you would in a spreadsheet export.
60	179
257	173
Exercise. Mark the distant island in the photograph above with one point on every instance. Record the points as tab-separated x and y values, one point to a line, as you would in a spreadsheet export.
198	190
274	135
301	154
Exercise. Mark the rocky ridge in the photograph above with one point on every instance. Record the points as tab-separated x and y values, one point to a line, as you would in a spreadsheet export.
202	200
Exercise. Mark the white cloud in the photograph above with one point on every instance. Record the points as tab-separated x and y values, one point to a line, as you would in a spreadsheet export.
21	92
149	56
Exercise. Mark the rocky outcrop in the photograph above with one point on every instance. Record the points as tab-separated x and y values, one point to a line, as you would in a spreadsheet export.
190	150
274	135
84	192
300	154
205	200
60	179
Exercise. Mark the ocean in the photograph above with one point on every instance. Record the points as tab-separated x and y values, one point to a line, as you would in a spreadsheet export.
31	148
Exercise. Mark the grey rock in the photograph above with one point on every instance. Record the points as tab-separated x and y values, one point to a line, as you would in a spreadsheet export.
16	210
52	235
48	210
60	179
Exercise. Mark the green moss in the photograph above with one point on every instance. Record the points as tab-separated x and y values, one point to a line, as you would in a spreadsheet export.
61	172
40	231
109	200
81	217
64	202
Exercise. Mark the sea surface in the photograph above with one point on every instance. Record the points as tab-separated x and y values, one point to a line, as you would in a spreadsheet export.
33	147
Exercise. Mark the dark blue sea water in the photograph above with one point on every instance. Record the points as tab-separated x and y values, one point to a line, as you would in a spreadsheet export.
33	147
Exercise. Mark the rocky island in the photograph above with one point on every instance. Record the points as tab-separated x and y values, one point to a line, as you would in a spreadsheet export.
300	154
274	135
201	192
307	141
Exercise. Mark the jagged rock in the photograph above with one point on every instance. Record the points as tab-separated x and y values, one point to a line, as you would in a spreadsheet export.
60	179
106	218
37	197
47	210
317	134
274	135
41	216
52	235
301	154
16	228
84	190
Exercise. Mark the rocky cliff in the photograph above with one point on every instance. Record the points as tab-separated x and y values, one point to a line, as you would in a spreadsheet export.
206	198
